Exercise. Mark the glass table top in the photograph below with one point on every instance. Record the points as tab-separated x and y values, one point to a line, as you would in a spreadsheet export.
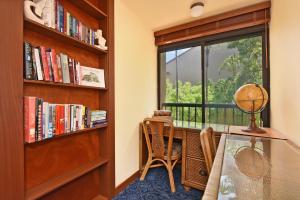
259	168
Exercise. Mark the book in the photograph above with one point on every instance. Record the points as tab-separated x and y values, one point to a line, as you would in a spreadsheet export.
49	65
39	68
45	63
58	61
29	119
45	120
65	68
28	72
34	69
54	65
39	127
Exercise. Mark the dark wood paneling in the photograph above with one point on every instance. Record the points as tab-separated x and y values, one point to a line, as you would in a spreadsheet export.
229	21
11	101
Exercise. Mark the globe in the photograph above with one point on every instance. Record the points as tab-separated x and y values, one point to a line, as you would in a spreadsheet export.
251	98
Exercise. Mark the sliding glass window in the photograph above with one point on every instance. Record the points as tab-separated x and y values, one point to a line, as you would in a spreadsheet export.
198	79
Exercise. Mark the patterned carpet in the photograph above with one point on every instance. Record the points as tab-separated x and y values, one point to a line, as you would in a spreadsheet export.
156	187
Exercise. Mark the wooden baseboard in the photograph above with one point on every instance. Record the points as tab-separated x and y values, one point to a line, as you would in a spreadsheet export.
128	181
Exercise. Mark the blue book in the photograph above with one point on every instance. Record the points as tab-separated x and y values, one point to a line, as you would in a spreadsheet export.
61	18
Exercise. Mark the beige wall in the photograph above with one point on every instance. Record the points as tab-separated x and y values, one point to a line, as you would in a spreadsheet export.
285	67
135	79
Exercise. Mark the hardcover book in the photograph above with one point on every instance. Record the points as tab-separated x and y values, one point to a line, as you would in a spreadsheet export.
29	119
28	72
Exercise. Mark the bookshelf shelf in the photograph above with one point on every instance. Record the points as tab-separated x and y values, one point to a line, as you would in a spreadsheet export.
69	134
54	183
90	8
67	85
50	32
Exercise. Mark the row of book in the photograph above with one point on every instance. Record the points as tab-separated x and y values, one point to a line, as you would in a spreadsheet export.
44	120
46	64
56	16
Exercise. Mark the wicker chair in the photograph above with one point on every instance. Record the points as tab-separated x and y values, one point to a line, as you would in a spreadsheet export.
208	145
158	151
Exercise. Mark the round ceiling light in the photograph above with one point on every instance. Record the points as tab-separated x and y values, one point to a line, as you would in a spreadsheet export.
197	9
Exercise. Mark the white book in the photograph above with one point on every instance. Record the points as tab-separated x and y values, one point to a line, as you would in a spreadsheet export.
65	68
46	119
79	117
38	64
66	118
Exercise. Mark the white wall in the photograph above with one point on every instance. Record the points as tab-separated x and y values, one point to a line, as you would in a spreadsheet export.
285	67
135	85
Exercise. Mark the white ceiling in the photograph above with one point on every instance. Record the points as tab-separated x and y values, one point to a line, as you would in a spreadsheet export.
159	14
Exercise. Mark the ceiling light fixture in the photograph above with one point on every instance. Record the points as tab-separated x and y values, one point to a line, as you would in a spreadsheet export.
197	9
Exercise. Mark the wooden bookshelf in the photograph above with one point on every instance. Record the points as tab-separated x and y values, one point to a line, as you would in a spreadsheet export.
54	183
86	130
79	164
62	37
90	8
68	85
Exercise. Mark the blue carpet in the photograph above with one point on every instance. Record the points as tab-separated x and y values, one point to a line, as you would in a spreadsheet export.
156	187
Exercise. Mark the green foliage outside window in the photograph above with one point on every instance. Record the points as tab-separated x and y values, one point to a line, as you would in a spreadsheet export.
243	67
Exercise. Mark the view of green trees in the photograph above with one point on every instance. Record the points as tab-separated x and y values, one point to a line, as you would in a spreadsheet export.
243	67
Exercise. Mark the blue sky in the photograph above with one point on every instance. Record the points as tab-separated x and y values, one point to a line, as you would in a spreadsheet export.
172	54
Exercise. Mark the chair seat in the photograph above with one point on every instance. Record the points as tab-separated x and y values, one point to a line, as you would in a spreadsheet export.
176	151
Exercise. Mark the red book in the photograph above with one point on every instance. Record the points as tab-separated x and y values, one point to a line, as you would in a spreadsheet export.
45	64
29	119
62	119
54	65
57	117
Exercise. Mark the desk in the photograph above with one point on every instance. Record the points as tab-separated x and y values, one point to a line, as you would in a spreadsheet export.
193	163
275	174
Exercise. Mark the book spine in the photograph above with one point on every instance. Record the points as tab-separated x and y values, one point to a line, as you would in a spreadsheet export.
62	119
54	120
46	119
54	65
57	15
53	13
65	68
34	69
48	56
39	122
29	119
45	64
66	118
68	23
28	72
59	67
50	123
38	64
57	120
71	73
61	18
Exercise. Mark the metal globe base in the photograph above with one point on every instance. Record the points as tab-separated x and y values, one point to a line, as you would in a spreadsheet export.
253	128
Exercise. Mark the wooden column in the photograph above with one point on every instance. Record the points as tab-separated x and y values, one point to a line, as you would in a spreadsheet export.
11	100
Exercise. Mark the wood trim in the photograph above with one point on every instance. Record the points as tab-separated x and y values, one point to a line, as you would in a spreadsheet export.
258	14
11	101
127	182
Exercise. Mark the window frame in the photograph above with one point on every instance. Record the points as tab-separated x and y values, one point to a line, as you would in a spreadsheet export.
261	30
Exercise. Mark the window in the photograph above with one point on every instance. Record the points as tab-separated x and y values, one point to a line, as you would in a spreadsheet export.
198	80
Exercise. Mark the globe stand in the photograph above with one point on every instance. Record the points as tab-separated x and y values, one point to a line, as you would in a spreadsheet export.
253	128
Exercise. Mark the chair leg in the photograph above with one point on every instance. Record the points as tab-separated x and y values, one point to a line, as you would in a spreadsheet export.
146	170
171	177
